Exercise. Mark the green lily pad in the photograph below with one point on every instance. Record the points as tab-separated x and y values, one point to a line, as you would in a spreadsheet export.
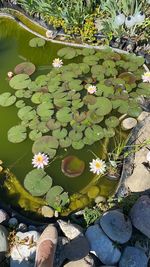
53	125
112	122
37	182
64	115
17	134
45	110
75	136
109	132
53	196
6	99
20	81
67	53
36	42
72	166
102	106
46	144
128	77
60	133
65	142
26	113
20	104
25	67
34	135
78	144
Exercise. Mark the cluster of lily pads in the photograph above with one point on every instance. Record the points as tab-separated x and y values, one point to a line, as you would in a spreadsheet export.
57	110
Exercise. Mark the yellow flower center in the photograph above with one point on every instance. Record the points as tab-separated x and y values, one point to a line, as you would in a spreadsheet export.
98	165
40	159
147	74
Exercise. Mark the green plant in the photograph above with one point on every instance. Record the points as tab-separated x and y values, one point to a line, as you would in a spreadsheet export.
91	215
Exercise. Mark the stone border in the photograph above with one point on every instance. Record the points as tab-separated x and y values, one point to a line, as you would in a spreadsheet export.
128	163
5	14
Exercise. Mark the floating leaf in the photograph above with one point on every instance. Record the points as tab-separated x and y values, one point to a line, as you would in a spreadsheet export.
78	144
102	106
112	122
25	67
65	142
60	133
26	113
128	77
36	42
52	195
109	132
37	182
53	125
67	53
45	110
17	134
64	115
20	81
72	166
75	136
6	99
46	144
34	135
20	104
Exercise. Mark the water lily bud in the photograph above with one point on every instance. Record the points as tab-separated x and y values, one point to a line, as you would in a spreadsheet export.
10	74
130	21
119	19
139	17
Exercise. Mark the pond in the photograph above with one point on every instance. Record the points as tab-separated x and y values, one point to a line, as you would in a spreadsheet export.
17	157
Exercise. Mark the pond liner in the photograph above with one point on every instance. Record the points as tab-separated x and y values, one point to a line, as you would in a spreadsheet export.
128	163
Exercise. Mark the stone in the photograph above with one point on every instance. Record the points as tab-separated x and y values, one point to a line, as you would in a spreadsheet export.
3	239
140	215
59	254
70	230
3	215
85	262
22	227
142	116
102	246
139	180
77	249
13	222
47	212
116	226
100	199
23	251
129	123
133	257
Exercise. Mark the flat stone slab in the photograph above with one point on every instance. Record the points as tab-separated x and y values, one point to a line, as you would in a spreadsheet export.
102	246
3	239
139	180
140	215
70	230
85	262
116	226
133	257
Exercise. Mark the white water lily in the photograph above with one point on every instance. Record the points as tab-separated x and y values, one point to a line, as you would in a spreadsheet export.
139	17
91	89
148	157
40	160
98	166
130	21
146	77
57	63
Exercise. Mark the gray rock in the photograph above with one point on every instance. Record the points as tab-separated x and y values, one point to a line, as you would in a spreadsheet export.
102	246
22	227
23	251
85	262
3	239
133	257
3	215
116	226
59	254
129	123
140	215
13	222
77	249
70	230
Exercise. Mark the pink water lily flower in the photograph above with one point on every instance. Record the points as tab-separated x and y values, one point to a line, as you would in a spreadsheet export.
91	89
146	77
40	160
57	63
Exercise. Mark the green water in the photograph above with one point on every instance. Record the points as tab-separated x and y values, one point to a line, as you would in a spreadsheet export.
14	49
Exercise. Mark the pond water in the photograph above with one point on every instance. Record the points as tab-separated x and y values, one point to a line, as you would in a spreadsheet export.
14	49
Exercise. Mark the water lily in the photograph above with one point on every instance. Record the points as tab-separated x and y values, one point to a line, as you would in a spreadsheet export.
91	89
139	17
148	157
40	160
57	63
98	166
146	77
10	74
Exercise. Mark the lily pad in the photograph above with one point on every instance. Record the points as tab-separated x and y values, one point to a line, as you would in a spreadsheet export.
72	166
67	53
25	67
128	77
20	81
17	134
34	135
37	182
36	42
112	122
6	99
26	113
46	144
64	115
53	196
